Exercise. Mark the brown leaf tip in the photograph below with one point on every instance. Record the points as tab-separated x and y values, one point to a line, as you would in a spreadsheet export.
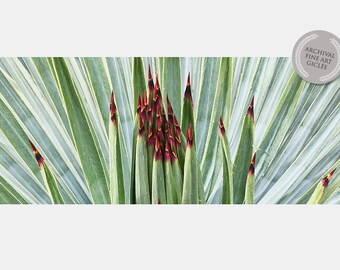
221	126
113	109
251	108
149	73
187	93
139	104
150	81
252	165
157	83
325	180
190	139
37	155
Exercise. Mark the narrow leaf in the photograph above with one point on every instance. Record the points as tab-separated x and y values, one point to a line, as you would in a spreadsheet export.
170	182
243	155
138	79
188	109
93	168
192	182
158	185
171	83
116	168
210	163
141	169
227	185
133	162
50	181
100	84
8	194
52	185
250	185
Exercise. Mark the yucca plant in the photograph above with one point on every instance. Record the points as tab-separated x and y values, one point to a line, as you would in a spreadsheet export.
166	130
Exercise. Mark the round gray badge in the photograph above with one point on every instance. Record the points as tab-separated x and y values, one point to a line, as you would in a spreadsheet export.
316	57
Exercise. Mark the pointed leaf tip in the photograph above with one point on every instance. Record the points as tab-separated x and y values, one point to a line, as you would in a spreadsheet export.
221	126
251	108
113	109
252	165
149	73
187	93
188	80
331	173
139	104
37	155
325	180
190	139
157	82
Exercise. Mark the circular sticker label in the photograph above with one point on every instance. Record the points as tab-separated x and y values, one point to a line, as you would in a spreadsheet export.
316	57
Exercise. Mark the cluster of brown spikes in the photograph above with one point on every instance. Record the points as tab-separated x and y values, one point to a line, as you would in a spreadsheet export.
162	132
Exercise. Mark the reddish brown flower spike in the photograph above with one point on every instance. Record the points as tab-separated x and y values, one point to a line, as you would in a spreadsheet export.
167	152
37	155
163	116
157	96
158	116
251	108
141	129
173	156
144	107
177	127
222	129
158	150
190	139
168	136
325	180
113	109
178	141
151	138
159	132
150	115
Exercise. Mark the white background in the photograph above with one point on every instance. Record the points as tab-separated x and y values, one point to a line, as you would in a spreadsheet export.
165	237
161	28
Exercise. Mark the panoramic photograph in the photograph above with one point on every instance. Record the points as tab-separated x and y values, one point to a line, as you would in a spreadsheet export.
166	130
